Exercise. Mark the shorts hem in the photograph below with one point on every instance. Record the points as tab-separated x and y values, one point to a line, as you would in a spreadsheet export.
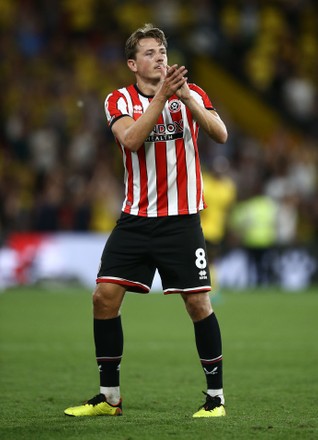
200	289
132	286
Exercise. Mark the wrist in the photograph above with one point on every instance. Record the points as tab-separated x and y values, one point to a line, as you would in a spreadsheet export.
160	97
186	100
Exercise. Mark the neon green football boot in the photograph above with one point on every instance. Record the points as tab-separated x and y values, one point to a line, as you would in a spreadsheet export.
211	408
97	406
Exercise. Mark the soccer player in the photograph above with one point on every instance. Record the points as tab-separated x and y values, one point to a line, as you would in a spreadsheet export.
155	122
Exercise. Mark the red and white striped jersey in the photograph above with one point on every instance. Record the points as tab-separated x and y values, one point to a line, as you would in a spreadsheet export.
164	176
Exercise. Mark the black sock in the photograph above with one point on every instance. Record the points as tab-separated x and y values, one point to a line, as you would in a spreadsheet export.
109	342
209	345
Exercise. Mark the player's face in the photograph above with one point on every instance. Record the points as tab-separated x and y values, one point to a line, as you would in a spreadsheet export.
150	57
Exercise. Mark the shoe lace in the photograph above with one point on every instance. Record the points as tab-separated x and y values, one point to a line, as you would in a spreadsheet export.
210	402
97	399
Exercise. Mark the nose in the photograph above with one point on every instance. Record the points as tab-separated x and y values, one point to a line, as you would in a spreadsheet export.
160	57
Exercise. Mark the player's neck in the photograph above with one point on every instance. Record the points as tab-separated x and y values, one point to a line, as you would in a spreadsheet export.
148	88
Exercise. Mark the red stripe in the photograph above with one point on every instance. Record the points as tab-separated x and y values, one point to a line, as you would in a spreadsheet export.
143	184
112	104
198	173
182	178
130	183
161	173
214	361
134	95
182	175
194	135
114	359
135	100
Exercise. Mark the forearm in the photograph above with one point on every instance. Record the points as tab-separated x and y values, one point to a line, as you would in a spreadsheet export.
136	134
208	120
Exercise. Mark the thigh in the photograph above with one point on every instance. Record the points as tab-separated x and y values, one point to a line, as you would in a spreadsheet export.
181	257
125	259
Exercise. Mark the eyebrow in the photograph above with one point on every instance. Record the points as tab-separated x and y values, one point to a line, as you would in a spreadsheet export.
161	49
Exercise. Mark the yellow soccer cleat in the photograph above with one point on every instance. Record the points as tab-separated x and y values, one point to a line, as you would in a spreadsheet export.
97	406
211	408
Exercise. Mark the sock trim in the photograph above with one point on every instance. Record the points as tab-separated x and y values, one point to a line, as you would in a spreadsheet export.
212	361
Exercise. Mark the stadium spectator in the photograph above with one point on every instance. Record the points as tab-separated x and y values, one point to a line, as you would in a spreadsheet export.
254	222
220	196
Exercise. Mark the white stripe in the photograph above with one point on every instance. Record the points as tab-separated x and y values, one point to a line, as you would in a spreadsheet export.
192	183
106	107
134	161
212	360
152	178
172	191
137	283
122	105
189	289
197	97
136	184
99	358
172	179
201	204
124	91
125	178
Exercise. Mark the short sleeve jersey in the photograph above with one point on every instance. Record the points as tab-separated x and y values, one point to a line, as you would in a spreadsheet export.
163	177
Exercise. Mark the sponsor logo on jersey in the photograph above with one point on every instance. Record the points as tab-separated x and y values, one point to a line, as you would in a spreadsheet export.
164	137
137	109
203	275
166	132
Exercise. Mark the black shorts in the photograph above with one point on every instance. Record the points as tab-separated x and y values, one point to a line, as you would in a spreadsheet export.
174	245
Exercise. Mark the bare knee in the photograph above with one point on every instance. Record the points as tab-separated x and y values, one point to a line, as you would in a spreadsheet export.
198	305
107	299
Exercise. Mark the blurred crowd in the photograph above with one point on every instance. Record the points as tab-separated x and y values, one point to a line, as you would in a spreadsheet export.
59	167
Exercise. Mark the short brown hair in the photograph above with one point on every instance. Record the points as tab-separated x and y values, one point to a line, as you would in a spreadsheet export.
147	31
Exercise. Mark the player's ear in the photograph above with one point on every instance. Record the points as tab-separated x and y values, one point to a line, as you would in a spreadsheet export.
132	65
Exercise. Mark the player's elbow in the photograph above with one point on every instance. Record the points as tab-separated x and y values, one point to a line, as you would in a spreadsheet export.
132	140
132	146
125	132
220	136
223	136
129	141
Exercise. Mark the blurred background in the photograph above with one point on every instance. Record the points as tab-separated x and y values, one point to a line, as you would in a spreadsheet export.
61	176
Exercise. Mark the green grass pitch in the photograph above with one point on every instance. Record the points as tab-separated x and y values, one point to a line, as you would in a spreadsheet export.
270	353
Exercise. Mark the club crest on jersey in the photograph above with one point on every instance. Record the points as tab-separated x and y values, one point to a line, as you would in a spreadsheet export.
174	106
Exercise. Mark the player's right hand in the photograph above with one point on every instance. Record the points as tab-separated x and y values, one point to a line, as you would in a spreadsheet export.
174	79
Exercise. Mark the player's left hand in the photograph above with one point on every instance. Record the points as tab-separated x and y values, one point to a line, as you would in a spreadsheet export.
183	92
